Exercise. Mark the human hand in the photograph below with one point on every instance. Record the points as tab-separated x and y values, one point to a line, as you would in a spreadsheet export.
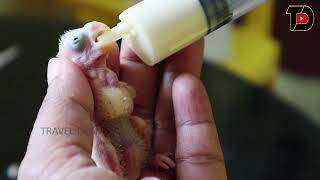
62	137
69	103
176	99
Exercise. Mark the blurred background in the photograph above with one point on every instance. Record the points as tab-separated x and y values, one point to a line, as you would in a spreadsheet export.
263	81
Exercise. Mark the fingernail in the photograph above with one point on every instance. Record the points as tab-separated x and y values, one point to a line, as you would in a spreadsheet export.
54	69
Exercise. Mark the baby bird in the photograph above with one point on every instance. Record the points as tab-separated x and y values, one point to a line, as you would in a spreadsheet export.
122	142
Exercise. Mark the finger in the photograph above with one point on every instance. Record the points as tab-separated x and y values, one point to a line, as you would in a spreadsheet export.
198	151
113	62
143	78
62	136
188	60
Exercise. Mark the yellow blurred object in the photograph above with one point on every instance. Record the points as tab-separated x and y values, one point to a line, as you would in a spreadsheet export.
79	11
256	53
106	11
37	9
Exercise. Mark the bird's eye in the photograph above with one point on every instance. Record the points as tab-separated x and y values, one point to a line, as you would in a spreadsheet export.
79	42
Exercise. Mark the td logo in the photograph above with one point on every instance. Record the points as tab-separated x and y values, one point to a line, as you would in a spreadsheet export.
301	17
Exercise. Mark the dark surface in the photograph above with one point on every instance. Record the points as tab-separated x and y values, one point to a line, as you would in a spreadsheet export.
262	138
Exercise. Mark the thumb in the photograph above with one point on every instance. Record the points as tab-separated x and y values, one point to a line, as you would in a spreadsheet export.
61	140
198	151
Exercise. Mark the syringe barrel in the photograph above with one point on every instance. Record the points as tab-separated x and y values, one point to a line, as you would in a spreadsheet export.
220	12
241	7
157	29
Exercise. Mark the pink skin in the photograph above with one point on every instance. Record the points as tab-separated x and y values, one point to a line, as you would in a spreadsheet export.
122	142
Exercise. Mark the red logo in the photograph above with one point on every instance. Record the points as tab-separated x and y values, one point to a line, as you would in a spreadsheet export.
302	18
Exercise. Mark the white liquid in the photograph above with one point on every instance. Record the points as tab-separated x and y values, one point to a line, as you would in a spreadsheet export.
159	28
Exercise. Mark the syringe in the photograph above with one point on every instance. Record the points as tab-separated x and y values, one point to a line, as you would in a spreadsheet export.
156	29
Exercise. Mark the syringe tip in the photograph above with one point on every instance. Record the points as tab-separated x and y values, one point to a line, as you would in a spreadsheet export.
115	34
